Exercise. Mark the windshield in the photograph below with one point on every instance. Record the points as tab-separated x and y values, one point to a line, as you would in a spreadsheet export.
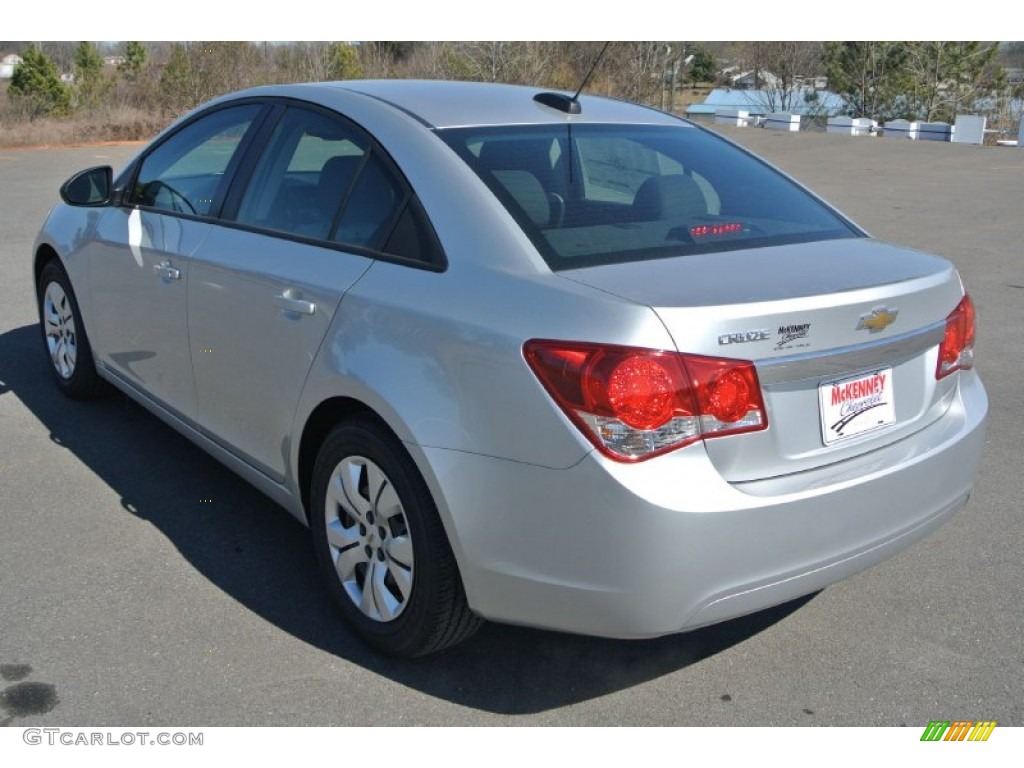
606	194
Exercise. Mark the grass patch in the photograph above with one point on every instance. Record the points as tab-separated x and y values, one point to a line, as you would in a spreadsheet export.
116	124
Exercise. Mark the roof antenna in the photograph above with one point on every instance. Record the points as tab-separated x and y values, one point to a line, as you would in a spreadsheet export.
567	104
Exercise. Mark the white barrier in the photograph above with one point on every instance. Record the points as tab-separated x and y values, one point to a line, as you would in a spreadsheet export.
969	129
900	129
851	126
935	132
737	117
782	121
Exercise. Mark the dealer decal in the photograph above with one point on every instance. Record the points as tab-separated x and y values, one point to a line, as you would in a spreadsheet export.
789	335
853	406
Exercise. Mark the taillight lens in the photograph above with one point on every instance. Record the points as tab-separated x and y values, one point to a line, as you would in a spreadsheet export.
633	403
956	352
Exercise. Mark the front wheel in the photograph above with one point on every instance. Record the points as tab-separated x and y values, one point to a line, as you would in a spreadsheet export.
381	546
64	337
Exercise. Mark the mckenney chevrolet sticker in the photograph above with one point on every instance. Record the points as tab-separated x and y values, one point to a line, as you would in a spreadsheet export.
853	406
792	336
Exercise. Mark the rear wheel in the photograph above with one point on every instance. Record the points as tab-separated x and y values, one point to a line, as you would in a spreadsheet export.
64	337
381	546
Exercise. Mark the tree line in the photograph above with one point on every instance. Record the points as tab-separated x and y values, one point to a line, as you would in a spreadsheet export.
921	80
880	80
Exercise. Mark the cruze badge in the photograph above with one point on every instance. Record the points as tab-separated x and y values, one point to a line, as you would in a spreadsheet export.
761	334
877	319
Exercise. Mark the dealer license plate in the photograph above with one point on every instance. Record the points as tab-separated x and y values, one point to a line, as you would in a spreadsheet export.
856	405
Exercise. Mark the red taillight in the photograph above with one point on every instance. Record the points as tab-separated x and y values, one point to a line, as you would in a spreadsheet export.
728	396
633	404
639	390
956	352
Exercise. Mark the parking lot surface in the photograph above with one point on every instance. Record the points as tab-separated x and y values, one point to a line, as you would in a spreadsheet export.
142	583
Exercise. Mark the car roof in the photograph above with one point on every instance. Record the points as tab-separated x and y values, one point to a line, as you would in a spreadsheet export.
449	104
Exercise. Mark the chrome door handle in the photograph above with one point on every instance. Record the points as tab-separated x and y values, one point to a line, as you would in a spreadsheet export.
165	270
289	301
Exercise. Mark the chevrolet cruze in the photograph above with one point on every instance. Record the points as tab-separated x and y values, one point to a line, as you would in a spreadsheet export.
564	362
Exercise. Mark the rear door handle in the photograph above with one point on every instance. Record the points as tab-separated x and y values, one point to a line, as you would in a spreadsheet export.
166	271
291	301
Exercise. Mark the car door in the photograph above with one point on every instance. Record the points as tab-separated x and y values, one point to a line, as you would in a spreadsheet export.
264	288
139	280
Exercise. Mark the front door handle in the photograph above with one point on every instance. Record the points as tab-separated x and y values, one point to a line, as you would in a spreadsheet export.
291	301
166	271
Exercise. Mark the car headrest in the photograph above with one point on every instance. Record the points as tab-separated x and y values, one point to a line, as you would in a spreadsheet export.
669	197
527	191
336	175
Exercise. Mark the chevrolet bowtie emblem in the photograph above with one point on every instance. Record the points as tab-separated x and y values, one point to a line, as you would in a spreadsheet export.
877	319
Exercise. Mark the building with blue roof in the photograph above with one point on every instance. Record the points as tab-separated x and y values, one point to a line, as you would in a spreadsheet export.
804	101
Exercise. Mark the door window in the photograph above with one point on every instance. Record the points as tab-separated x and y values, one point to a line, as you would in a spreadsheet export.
303	176
371	208
184	173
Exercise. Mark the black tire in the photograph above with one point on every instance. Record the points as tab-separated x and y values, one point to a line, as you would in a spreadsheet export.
60	322
393	556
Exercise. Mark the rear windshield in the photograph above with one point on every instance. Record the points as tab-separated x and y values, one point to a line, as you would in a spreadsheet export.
607	194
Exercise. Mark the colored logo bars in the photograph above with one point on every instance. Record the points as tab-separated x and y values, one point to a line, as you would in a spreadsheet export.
958	730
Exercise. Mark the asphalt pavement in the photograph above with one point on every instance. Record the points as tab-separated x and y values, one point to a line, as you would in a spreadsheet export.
127	599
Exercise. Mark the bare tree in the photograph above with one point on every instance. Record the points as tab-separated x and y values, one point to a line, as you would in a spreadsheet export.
528	63
781	71
638	69
572	62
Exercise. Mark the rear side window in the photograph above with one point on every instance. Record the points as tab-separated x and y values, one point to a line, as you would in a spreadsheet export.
303	176
371	209
320	177
184	174
600	194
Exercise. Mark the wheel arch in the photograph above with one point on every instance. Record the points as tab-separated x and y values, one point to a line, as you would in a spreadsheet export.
332	411
45	253
322	419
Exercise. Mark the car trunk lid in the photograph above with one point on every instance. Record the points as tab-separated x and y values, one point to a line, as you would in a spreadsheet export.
844	335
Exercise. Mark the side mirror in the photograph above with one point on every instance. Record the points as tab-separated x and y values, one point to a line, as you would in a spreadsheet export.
91	187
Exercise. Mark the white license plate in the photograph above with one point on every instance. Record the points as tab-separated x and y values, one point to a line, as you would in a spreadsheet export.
856	405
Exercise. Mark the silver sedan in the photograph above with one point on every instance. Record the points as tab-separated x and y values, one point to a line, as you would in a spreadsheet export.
569	363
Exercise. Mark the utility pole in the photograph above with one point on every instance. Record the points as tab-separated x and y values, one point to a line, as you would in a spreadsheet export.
673	65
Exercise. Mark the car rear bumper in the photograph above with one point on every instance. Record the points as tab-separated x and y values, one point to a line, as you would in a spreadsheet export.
640	550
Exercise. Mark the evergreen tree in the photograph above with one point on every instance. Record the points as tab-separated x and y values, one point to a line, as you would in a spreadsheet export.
703	68
36	87
89	82
134	61
948	76
178	80
344	62
872	76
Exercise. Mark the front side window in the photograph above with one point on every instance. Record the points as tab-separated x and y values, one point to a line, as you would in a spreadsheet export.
605	194
184	173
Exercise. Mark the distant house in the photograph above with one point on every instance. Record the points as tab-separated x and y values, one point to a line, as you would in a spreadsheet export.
114	61
7	65
750	79
818	82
